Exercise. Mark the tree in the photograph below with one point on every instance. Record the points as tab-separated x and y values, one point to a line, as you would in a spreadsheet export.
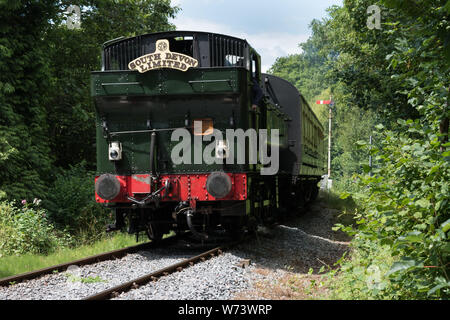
46	115
75	53
24	82
405	203
306	70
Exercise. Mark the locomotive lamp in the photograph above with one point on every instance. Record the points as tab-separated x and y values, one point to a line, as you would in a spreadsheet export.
222	150
219	185
115	151
107	186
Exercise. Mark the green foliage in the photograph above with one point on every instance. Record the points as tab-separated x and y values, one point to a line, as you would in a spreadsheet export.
46	113
70	102
406	202
314	73
407	207
11	265
363	276
306	70
71	204
351	124
90	279
376	77
334	200
25	161
25	229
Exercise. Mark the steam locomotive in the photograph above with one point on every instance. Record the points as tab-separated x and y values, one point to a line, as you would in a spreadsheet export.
180	116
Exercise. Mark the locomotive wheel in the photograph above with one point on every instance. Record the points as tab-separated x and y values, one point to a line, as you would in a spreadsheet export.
235	227
252	224
152	232
303	195
315	192
308	194
270	212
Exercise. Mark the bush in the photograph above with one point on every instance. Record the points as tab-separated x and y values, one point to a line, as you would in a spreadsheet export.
363	275
71	204
25	229
406	207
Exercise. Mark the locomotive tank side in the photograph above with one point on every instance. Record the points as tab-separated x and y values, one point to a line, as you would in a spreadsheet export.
130	105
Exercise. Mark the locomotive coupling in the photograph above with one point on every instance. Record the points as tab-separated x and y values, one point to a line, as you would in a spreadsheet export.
152	197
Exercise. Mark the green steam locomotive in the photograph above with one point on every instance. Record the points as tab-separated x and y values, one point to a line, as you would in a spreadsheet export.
191	136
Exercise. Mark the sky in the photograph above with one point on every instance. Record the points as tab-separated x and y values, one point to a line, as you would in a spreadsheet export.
273	28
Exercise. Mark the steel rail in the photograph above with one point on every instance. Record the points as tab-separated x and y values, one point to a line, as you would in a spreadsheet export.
115	254
154	276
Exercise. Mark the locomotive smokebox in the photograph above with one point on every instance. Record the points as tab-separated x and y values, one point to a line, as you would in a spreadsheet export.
107	187
218	185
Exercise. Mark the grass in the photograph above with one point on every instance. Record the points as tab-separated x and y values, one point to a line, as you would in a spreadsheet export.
345	207
89	279
13	265
333	200
289	286
362	276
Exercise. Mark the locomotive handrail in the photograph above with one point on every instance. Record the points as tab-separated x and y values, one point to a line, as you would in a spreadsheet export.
147	131
201	81
122	84
211	81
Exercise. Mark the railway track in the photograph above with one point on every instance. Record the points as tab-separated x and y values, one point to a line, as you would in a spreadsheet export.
39	278
155	275
115	254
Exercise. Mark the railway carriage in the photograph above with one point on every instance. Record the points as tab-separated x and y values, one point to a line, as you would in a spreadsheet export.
152	87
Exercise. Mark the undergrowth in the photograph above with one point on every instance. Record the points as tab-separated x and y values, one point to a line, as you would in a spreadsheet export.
16	264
